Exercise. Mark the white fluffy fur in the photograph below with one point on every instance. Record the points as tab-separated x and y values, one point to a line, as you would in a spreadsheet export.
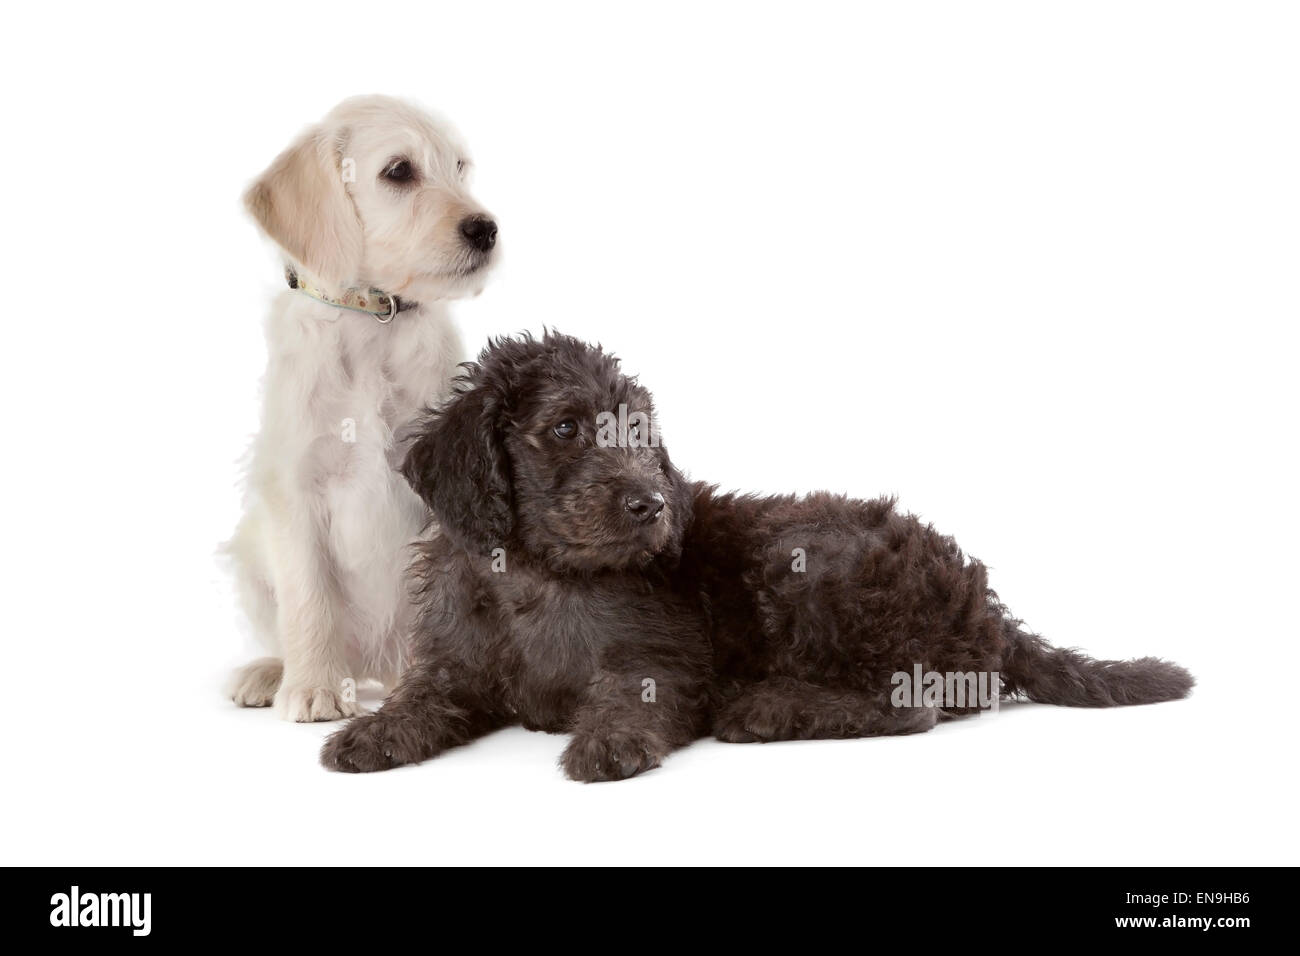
323	542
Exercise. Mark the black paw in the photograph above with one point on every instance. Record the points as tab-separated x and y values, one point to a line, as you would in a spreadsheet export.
743	723
368	744
615	755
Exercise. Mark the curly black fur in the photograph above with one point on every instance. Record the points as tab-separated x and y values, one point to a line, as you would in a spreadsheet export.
638	635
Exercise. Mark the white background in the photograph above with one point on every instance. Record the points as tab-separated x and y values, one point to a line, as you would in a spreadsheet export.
1031	266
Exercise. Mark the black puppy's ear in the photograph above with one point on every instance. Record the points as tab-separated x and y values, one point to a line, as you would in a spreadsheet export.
682	512
458	465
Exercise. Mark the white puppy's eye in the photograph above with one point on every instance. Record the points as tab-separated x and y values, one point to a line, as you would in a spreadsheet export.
399	171
460	167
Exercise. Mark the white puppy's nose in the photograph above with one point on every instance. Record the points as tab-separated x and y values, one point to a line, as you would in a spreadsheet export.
479	231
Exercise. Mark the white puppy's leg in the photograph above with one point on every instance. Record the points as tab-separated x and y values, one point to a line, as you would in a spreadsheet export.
254	684
316	683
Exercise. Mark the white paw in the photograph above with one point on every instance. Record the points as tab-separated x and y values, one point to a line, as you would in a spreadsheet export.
255	684
304	704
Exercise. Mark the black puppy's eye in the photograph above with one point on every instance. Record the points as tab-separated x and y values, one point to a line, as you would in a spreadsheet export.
566	429
399	171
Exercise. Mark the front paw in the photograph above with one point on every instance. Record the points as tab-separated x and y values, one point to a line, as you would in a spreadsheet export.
743	724
255	684
612	755
374	742
304	703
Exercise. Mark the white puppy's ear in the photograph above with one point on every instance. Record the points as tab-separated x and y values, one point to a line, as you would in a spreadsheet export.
302	203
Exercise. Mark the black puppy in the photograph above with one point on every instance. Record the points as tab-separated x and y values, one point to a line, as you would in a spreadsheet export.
580	584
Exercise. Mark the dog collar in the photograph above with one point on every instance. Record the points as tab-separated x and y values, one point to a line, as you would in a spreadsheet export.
384	306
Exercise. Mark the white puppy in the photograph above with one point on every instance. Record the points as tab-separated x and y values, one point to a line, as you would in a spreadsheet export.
372	213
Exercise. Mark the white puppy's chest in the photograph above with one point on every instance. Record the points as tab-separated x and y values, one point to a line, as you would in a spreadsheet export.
385	382
378	398
358	383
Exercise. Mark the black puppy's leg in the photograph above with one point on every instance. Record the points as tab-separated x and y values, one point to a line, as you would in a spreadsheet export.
637	710
434	707
782	708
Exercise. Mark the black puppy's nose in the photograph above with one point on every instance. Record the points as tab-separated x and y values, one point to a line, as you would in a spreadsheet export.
645	508
479	231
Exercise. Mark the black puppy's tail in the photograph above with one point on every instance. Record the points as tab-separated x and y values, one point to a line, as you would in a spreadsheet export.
1053	675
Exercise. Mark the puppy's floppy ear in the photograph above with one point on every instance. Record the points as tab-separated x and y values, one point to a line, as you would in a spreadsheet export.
459	466
683	508
302	203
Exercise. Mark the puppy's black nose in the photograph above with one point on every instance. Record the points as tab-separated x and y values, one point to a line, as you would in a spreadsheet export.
479	231
645	508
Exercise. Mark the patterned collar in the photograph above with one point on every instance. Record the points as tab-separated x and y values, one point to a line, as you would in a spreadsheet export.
382	305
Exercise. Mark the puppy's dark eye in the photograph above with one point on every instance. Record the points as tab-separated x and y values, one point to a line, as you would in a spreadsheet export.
566	429
399	171
460	167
